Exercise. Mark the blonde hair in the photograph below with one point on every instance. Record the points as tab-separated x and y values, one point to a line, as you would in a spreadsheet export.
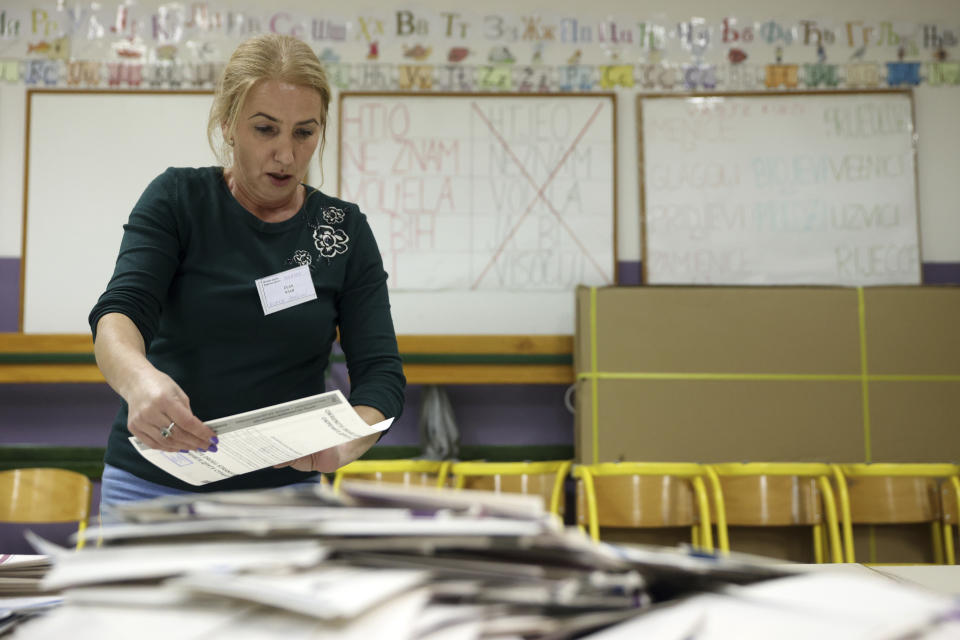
267	57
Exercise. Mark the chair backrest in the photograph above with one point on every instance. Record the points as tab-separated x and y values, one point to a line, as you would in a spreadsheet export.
893	500
640	501
644	495
762	501
757	494
543	478
421	473
950	501
899	493
45	495
891	493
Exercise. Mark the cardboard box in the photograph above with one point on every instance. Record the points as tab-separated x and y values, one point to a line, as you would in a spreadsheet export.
721	374
913	340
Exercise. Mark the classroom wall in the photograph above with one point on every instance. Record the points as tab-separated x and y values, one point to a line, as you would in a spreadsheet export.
499	414
938	137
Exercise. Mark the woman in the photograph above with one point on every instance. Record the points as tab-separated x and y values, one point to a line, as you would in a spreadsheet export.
180	332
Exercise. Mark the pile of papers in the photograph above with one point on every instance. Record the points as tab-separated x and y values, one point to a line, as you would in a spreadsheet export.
20	575
20	589
384	561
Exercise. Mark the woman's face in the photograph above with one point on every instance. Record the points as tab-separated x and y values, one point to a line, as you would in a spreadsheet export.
277	132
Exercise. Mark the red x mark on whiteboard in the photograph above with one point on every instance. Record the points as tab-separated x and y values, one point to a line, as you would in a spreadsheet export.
540	192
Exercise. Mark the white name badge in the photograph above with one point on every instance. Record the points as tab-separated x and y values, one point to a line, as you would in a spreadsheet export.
285	289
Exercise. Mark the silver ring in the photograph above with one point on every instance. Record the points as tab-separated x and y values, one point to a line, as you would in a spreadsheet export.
165	433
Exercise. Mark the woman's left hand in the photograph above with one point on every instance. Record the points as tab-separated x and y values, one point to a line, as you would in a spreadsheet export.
325	461
329	460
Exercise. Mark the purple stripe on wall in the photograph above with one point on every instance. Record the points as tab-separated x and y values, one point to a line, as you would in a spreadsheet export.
630	272
485	414
941	272
9	294
80	415
72	415
493	415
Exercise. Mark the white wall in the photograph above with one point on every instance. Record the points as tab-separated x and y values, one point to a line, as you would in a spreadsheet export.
938	169
12	127
936	107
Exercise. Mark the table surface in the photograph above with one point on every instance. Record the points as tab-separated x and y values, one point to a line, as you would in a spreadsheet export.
940	578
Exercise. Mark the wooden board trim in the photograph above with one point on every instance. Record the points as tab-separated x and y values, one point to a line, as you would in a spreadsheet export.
415	373
432	344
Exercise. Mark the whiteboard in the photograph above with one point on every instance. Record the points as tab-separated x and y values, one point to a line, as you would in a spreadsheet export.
815	189
489	209
90	155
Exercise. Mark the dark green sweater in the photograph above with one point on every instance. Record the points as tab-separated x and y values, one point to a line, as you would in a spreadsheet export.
185	277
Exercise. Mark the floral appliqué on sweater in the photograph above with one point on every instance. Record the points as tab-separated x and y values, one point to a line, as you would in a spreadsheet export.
329	240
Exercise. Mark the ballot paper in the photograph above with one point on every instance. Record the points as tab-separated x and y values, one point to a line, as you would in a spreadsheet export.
265	437
814	605
185	622
491	503
21	574
326	592
151	561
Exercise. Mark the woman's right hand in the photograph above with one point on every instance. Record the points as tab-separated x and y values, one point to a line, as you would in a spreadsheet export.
155	402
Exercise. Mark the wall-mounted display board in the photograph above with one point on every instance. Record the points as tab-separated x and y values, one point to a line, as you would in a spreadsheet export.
89	156
798	188
489	209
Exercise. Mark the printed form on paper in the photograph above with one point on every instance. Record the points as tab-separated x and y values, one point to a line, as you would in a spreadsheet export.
265	437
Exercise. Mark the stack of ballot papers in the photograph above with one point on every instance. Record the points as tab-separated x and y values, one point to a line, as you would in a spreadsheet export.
404	563
20	575
20	589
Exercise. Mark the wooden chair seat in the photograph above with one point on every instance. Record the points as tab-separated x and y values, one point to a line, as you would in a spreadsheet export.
420	473
891	499
948	502
763	494
648	495
536	484
45	495
900	493
640	501
766	501
543	478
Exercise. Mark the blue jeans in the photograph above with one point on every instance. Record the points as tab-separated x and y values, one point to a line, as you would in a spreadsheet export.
119	486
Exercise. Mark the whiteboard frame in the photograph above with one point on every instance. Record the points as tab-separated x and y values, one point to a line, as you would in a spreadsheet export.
640	98
468	339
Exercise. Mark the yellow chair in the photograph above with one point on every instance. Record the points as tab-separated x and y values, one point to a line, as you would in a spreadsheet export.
650	494
950	502
536	478
423	473
45	495
782	494
900	493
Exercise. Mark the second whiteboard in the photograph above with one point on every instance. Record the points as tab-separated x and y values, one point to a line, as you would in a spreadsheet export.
816	189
